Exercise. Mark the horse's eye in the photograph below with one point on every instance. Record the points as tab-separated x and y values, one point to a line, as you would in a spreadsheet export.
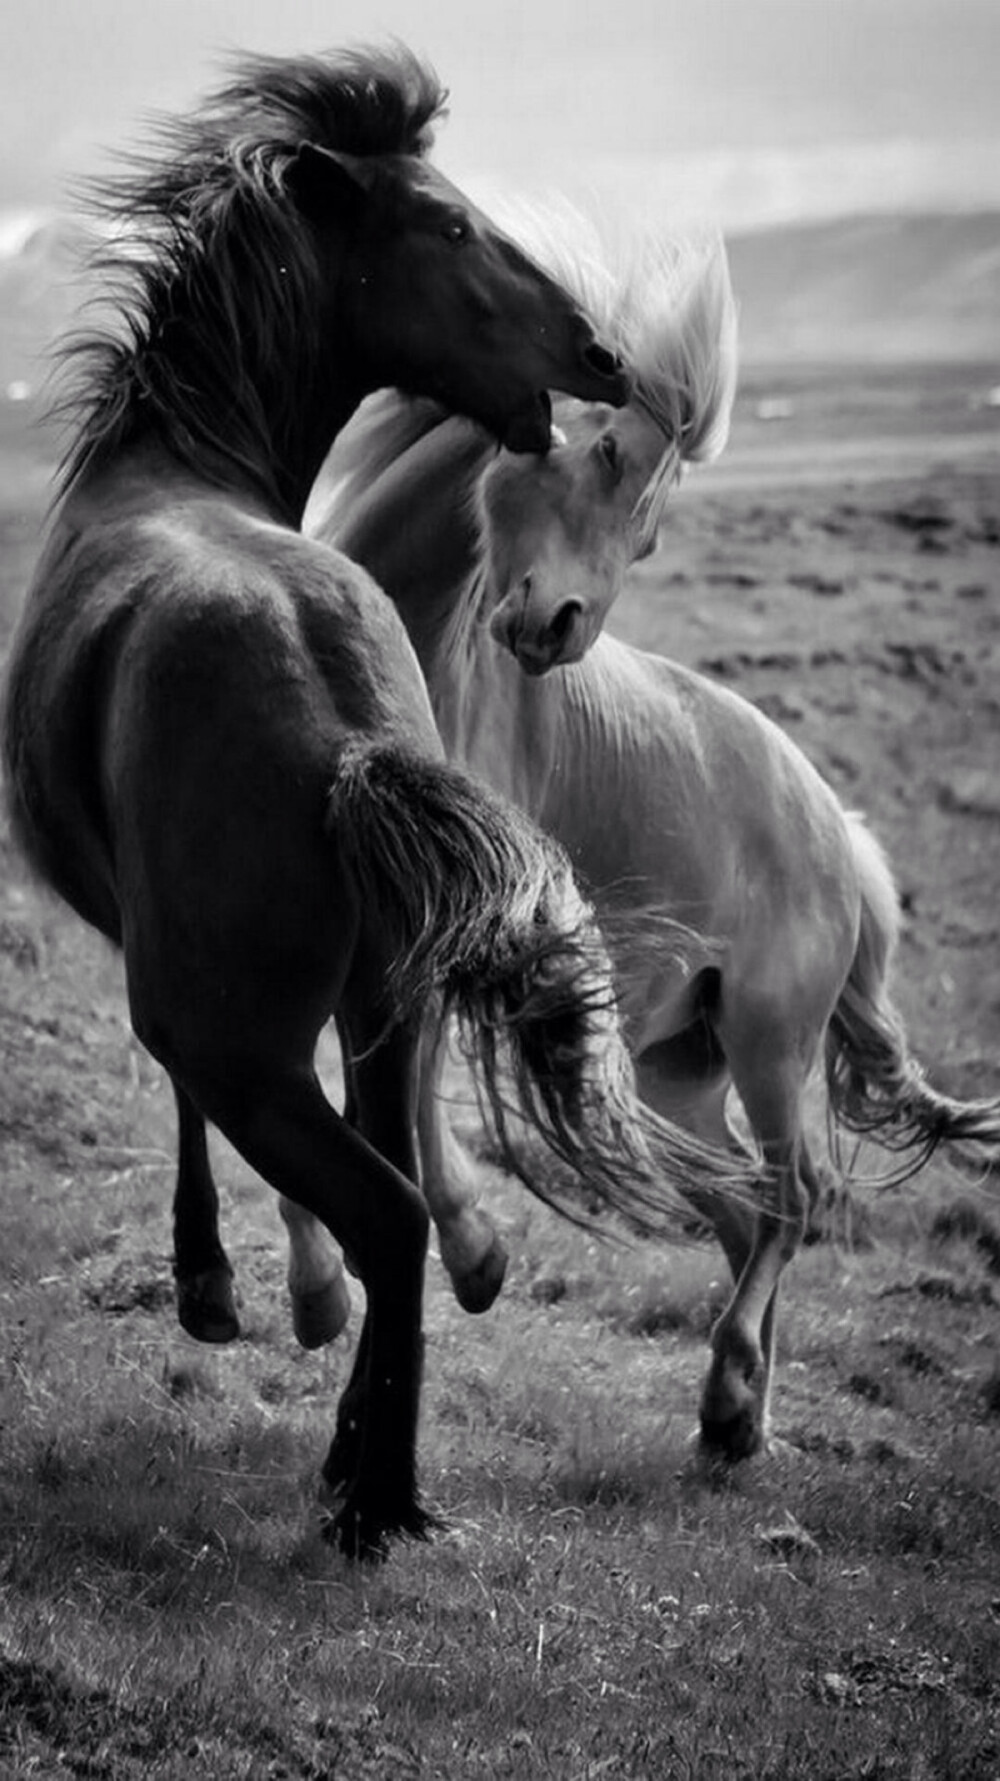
607	445
455	230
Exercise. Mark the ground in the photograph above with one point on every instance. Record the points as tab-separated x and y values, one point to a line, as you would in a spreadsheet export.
598	1605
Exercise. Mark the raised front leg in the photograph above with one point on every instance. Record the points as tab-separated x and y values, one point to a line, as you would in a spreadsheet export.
472	1252
206	1306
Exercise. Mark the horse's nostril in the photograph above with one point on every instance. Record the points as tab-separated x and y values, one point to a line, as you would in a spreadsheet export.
599	359
526	585
561	625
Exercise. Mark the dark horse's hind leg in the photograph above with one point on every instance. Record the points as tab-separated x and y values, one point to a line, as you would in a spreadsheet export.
206	1306
381	1102
279	1119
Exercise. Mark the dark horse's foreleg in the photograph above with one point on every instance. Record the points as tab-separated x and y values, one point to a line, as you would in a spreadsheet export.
206	1306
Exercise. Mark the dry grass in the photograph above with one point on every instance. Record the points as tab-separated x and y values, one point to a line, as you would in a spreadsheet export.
599	1606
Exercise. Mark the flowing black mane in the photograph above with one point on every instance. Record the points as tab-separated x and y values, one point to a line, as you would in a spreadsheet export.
210	264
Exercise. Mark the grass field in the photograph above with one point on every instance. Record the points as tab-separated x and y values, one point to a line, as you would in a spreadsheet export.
598	1604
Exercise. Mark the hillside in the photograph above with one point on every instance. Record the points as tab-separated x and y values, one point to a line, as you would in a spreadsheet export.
883	289
862	289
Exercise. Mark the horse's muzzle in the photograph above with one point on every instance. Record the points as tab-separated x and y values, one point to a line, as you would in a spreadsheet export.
537	648
529	428
606	365
603	376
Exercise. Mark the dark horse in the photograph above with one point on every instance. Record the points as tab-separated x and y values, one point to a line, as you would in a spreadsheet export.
218	746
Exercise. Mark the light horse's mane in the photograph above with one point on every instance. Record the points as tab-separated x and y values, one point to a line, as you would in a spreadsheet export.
666	306
206	254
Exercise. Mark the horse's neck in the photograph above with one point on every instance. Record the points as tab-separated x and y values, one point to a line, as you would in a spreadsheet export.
497	722
285	395
416	532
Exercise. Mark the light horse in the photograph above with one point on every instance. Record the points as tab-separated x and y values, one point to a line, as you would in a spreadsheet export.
218	745
667	791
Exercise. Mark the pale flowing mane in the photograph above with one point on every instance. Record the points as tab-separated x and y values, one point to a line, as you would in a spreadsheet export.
666	305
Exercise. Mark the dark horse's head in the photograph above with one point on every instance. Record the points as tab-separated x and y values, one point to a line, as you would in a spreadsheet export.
291	251
445	305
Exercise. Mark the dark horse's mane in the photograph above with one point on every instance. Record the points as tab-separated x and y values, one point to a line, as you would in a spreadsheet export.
208	264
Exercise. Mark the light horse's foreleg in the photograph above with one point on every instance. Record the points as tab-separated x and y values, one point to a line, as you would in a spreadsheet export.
471	1250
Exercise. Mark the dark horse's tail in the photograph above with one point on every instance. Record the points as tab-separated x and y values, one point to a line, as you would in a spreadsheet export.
483	908
876	1088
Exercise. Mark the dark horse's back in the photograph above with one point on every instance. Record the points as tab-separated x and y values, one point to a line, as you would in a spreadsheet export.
180	689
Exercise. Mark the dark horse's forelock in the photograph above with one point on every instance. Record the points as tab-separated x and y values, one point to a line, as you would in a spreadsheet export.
368	102
209	264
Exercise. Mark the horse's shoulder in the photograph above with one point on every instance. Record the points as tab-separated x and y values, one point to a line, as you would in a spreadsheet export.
343	621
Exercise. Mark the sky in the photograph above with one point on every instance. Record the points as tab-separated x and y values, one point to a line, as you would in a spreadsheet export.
732	112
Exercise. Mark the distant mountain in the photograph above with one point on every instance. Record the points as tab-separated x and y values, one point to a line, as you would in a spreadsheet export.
870	288
877	289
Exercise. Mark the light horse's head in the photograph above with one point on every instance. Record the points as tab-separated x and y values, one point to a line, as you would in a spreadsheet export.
561	533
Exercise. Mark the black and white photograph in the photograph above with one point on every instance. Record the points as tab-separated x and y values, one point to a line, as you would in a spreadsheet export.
499	864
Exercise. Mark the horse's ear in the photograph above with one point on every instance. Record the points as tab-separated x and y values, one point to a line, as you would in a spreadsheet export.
324	183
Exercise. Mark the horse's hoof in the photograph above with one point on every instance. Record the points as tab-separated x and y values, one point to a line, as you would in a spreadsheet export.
733	1437
366	1534
476	1288
206	1306
319	1316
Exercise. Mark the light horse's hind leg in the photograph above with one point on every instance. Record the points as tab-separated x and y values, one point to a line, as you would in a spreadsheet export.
687	1079
472	1252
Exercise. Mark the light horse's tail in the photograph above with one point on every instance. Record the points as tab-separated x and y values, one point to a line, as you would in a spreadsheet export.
875	1087
482	908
